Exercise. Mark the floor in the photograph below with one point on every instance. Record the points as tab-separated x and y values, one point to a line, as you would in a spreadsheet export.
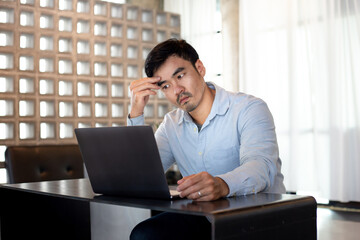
333	224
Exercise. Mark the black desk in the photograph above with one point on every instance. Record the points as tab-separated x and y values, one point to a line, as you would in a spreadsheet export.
61	210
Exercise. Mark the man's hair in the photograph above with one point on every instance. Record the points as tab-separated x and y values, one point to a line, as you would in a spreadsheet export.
170	47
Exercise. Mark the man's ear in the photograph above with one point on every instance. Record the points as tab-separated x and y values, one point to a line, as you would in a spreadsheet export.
200	67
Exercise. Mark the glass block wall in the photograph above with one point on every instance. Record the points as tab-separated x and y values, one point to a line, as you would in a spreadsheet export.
66	64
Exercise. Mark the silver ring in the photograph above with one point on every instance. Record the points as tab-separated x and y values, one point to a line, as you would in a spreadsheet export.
199	193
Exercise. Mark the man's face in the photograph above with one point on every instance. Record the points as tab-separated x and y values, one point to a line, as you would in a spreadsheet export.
182	84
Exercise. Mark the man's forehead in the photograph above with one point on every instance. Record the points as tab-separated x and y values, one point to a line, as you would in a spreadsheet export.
171	66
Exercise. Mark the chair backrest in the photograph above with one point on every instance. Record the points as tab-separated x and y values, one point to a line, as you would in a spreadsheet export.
43	163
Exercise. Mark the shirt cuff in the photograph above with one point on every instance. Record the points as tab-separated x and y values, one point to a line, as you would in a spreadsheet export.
140	120
239	186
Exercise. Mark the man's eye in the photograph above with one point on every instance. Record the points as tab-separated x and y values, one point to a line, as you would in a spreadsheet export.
180	76
166	86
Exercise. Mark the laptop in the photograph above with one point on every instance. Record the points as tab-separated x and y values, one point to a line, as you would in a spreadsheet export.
124	161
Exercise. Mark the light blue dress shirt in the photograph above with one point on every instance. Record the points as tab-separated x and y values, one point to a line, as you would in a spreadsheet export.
237	143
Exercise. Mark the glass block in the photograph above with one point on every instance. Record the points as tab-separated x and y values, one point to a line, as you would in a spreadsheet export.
84	125
175	21
160	95
6	108
145	52
117	90
117	110
46	86
83	6
83	68
6	38
143	73
65	88
83	26
66	109
116	11
66	130
101	125
149	111
116	50
27	19
65	66
132	71
83	47
147	35
101	90
27	130
26	40
26	85
84	109
100	29
26	63
161	19
26	108
47	109
65	5
117	124
6	131
65	24
147	16
116	30
65	45
6	84
46	65
132	52
6	60
100	49
30	2
175	35
47	130
132	13
6	15
47	3
161	36
46	43
101	110
162	110
132	33
100	69
100	9
46	21
117	70
83	89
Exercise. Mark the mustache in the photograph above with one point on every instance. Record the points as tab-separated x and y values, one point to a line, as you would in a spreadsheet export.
187	94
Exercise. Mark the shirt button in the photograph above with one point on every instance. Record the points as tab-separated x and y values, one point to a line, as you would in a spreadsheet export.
194	129
200	153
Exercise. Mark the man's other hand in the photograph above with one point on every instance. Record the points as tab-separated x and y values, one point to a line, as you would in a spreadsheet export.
202	187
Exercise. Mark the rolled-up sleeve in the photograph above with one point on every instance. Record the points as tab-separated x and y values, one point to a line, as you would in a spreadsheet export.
140	120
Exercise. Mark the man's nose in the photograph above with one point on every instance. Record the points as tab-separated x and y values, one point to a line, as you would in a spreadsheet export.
178	89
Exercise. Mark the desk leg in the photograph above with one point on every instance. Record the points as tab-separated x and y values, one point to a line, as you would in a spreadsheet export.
26	215
295	221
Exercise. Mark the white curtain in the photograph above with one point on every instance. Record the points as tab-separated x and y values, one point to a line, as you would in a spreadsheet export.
303	58
200	24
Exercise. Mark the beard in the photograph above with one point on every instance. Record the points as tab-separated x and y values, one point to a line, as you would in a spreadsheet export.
187	106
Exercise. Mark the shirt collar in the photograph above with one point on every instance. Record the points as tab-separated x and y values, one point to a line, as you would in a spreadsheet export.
220	105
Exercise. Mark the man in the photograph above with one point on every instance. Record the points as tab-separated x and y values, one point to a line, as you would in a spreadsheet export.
223	143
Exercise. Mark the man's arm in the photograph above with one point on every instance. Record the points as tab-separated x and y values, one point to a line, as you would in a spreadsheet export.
258	154
258	160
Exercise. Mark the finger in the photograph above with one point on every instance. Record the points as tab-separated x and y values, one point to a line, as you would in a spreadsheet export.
152	80
143	87
188	181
